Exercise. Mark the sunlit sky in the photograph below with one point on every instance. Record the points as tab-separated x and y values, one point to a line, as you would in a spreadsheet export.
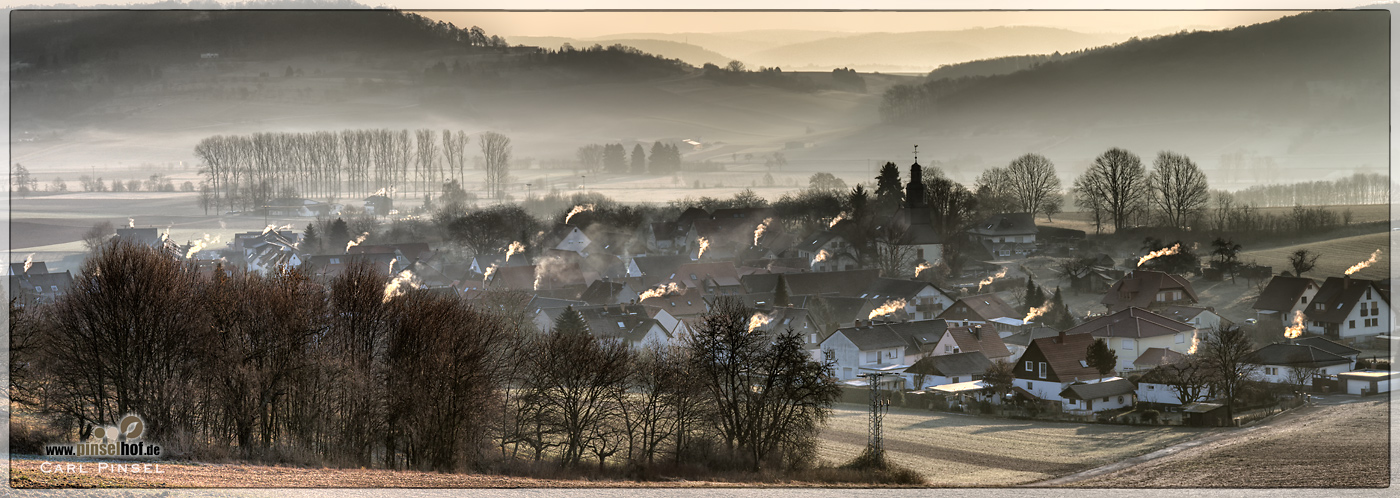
591	24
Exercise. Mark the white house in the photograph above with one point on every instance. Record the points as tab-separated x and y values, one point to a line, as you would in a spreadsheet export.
1279	362
1347	308
1093	396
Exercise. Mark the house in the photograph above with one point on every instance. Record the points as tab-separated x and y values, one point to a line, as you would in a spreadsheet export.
973	338
1155	357
378	205
37	284
835	251
1157	386
1051	364
629	322
946	369
1205	415
711	278
979	310
332	265
1093	396
1348	308
608	292
144	236
566	238
886	347
923	300
1148	289
654	270
685	305
1284	296
1131	331
1367	382
1009	235
1286	363
272	250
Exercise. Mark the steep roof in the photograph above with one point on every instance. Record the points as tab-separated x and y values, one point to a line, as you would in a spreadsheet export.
1338	296
898	288
1064	357
1024	337
1154	357
722	273
1135	323
686	303
889	335
1006	224
1294	355
1142	286
980	338
951	365
1106	388
1282	293
816	240
602	292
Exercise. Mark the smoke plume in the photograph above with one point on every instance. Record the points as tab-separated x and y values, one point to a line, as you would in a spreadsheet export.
1175	248
890	306
1362	265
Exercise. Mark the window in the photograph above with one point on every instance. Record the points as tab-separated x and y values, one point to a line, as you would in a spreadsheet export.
1128	344
1375	308
1105	400
1319	305
1364	311
919	253
692	276
621	325
1042	370
38	288
1305	299
54	288
947	349
1151	387
1180	338
889	354
1270	370
812	339
1120	400
953	380
1352	324
1030	366
1368	293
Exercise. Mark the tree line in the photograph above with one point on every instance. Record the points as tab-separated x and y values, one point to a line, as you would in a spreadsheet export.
249	170
613	158
353	371
1359	188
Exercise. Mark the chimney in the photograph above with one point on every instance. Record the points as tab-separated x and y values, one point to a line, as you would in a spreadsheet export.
1346	281
1062	337
857	323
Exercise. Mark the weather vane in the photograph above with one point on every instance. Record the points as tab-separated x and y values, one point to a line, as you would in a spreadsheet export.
916	153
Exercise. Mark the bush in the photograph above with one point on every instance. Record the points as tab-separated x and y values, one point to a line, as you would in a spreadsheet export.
986	407
1151	416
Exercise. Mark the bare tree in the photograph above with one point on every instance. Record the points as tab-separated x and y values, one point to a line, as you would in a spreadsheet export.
1179	189
576	380
1190	379
495	149
1302	261
1031	181
1116	184
1225	353
1302	376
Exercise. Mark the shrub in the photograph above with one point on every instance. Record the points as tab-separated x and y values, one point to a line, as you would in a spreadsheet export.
1151	416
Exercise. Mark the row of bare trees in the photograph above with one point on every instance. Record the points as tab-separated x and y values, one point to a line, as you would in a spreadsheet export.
1118	189
331	165
1359	188
293	369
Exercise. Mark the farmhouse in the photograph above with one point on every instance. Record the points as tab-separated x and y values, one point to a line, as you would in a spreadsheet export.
37	284
946	369
1348	308
1148	289
973	338
880	346
840	254
923	300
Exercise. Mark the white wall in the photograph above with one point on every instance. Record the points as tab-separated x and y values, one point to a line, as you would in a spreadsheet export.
1285	374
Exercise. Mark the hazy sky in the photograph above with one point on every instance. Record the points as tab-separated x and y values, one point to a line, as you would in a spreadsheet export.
590	24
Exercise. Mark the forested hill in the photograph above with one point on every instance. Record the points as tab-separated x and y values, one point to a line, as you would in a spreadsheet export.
58	38
1331	64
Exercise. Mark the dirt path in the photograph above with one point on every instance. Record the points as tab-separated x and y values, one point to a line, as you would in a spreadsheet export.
1317	446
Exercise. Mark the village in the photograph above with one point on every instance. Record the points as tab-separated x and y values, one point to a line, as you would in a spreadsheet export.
997	336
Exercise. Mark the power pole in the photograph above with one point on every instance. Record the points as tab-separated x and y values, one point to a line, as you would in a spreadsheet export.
879	405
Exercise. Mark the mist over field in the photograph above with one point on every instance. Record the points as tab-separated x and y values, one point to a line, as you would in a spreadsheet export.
125	95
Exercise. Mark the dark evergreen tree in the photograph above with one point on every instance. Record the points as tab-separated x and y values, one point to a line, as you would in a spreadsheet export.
639	160
1101	357
311	240
780	293
887	185
339	233
570	321
1062	318
1035	297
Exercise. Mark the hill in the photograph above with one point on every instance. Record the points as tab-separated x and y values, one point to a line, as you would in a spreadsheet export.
690	54
918	51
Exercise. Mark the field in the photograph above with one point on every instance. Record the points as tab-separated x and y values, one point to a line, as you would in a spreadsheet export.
1332	446
963	450
1361	213
1335	256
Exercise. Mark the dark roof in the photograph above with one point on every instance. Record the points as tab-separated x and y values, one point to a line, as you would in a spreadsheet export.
1142	287
1104	389
545	303
850	283
1338	296
629	322
885	288
914	226
980	338
1183	313
1294	355
1328	346
686	303
1024	337
35	268
1059	233
873	337
660	267
950	365
987	306
602	292
1153	357
1064	357
889	335
1006	224
816	240
1282	293
1132	322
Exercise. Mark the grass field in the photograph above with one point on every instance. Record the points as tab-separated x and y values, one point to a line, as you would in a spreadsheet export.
963	450
1335	256
1325	447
